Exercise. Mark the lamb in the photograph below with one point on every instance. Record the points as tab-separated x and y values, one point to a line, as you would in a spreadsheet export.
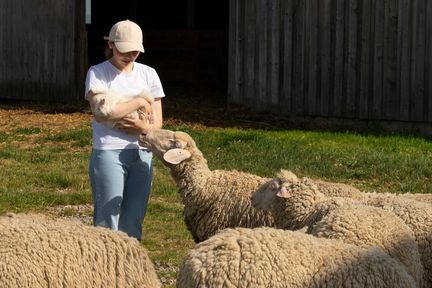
269	257
39	251
106	99
309	206
300	204
213	200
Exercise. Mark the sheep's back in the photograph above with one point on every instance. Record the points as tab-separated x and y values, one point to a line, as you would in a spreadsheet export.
422	197
334	189
38	251
418	217
267	257
367	226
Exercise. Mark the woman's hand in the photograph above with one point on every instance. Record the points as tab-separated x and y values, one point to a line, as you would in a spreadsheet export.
135	125
144	105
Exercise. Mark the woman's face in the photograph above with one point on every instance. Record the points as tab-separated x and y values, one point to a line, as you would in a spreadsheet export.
123	61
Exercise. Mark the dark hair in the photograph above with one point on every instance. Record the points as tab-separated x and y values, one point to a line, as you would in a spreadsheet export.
108	52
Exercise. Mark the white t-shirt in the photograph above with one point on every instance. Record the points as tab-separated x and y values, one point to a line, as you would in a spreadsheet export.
130	84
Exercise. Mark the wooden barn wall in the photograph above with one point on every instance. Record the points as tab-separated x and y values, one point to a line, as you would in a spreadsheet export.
42	49
358	59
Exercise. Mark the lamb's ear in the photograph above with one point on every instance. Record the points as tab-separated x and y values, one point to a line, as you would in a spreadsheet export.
283	193
177	155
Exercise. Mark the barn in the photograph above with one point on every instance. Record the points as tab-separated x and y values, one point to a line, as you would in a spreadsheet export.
48	45
329	59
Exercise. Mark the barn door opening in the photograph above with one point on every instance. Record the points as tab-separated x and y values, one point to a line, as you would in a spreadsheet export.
186	41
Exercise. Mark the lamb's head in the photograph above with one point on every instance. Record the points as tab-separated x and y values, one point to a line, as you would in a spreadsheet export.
105	101
170	147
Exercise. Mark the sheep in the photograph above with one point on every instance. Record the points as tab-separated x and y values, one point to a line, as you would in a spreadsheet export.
415	214
213	200
106	99
335	189
418	217
413	209
421	197
269	257
40	251
300	204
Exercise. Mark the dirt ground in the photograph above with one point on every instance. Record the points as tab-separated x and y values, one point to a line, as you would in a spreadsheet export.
198	108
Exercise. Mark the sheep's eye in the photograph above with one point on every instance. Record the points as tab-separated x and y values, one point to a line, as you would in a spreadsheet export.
275	184
174	144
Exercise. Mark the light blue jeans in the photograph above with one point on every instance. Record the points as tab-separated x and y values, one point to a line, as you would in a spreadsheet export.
121	183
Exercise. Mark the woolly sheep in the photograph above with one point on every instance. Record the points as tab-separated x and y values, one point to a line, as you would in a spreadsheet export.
213	200
38	251
335	189
412	209
106	99
418	217
295	205
268	257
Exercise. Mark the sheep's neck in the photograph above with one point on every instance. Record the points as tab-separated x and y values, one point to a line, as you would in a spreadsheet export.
298	211
190	175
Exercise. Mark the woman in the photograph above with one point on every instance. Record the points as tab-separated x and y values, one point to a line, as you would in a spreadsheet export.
120	170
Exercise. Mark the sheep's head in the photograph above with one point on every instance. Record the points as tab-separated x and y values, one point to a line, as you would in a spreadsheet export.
264	197
170	147
104	101
286	191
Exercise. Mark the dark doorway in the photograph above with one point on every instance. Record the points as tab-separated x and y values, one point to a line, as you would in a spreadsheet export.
186	41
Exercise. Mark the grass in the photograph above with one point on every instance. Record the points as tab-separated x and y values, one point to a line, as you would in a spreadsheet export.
43	168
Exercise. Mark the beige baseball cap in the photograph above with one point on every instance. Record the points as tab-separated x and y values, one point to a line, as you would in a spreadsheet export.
127	36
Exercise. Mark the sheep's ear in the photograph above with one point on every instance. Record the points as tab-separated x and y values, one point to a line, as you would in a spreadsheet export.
283	193
287	176
177	155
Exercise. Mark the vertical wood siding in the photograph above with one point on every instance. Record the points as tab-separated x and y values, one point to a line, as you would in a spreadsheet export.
358	59
42	49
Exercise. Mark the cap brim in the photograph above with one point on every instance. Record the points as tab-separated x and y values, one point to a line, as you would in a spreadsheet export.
125	47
